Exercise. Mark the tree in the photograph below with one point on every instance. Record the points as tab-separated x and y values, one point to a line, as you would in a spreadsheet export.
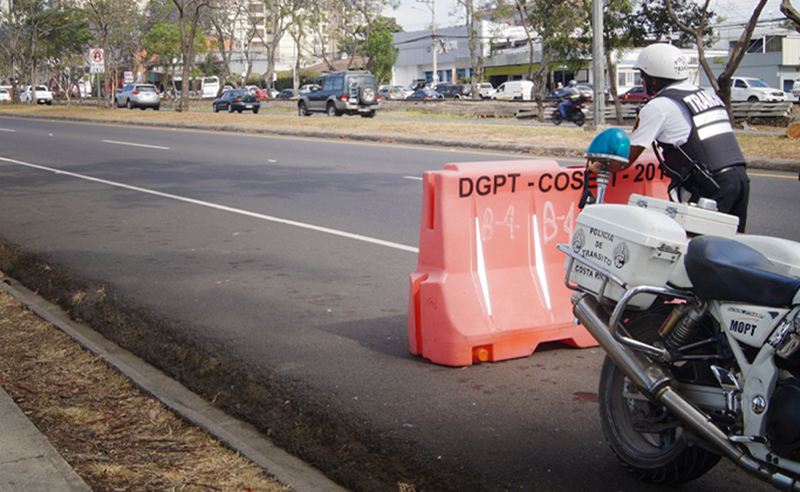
276	22
721	84
379	49
553	24
225	18
67	45
189	14
655	18
12	36
790	12
472	23
36	18
114	24
162	43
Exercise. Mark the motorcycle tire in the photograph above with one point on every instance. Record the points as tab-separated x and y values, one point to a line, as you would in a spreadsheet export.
645	436
579	118
557	118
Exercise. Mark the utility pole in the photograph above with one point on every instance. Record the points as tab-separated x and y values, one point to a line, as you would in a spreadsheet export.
432	6
598	55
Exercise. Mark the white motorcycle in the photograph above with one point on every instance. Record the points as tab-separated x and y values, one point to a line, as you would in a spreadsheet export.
701	327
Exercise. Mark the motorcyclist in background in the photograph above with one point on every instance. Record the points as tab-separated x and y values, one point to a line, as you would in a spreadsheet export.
571	94
692	130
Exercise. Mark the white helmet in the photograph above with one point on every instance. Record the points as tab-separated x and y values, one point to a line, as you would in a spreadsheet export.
663	61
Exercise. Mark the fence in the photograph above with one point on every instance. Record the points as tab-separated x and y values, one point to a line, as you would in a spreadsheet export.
741	110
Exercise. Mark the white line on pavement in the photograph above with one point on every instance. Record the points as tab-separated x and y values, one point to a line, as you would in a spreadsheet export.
278	220
136	145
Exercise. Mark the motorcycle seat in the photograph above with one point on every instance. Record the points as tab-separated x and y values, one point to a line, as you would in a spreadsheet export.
727	270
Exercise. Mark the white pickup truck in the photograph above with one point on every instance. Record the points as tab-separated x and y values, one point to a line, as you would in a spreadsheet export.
37	93
753	89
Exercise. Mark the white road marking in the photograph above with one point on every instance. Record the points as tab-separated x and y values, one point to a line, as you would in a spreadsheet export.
9	130
415	178
115	142
269	218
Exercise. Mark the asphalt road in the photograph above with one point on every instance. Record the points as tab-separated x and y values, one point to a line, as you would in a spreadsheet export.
291	256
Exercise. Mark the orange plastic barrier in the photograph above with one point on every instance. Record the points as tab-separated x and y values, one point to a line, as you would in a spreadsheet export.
489	282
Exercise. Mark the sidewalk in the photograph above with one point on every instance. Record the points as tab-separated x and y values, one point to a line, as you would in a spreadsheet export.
27	460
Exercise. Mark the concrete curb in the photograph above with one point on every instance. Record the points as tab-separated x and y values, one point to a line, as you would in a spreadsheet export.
237	435
782	165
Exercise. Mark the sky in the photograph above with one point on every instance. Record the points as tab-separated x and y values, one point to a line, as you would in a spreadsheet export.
415	15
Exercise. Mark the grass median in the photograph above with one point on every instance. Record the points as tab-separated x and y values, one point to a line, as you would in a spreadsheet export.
763	141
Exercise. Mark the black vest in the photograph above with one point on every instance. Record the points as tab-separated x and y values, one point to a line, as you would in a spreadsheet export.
711	140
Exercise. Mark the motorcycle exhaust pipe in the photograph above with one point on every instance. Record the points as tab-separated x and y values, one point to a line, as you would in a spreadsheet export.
657	382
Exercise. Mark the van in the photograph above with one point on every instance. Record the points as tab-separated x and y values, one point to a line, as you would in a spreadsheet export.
514	90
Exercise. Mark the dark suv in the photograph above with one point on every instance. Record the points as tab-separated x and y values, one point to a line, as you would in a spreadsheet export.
454	91
339	93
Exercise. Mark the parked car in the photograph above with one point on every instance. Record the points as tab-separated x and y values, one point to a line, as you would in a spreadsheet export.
636	93
455	91
286	94
36	93
338	93
407	91
305	88
485	90
586	90
556	94
425	94
267	93
138	96
391	92
5	95
752	89
238	100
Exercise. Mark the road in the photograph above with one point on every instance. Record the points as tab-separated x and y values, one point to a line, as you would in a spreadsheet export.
271	274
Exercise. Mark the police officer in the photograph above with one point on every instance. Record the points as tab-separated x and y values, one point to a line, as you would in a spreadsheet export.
693	133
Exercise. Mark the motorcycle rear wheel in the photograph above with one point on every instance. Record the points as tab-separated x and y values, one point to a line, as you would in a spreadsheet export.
644	436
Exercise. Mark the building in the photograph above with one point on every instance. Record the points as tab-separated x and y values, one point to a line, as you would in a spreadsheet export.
773	56
507	57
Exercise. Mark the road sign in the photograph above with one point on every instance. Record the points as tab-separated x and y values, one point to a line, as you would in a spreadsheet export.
97	61
97	56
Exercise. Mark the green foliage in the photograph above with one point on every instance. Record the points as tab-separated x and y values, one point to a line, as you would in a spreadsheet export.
163	40
655	20
285	80
380	50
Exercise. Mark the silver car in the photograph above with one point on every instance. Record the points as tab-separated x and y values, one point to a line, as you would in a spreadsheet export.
138	96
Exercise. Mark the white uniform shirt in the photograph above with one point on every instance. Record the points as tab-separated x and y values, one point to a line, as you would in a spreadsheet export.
664	119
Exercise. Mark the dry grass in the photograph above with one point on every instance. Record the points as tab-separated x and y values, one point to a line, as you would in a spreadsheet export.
416	121
116	437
